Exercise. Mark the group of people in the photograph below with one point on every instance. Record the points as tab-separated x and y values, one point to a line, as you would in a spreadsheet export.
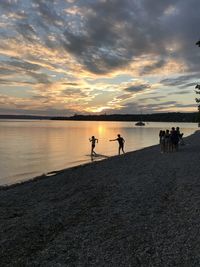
120	140
170	140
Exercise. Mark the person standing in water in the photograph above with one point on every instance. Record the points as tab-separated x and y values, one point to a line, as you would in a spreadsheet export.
93	141
121	142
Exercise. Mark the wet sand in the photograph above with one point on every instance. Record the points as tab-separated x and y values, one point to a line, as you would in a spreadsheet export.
138	209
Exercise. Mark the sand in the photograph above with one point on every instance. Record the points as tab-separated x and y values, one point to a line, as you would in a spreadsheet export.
138	209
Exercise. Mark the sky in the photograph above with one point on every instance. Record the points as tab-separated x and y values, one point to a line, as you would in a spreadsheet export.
66	57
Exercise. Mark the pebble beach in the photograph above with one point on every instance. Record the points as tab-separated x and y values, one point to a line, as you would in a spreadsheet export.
138	209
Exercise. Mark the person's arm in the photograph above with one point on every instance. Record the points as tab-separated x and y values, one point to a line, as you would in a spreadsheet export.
97	140
113	140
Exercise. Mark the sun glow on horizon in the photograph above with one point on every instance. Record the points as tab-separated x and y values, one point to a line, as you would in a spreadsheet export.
57	60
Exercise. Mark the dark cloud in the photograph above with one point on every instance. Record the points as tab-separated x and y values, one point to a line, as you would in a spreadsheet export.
8	4
6	71
72	92
115	33
137	88
179	92
39	77
72	84
12	82
129	108
102	36
156	98
107	35
166	103
47	11
124	96
136	107
152	67
163	106
21	65
186	105
180	80
187	85
27	31
24	68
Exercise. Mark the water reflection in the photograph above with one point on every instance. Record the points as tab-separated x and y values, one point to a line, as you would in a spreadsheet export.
30	148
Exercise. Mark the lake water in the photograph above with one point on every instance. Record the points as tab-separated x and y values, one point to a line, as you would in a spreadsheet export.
29	148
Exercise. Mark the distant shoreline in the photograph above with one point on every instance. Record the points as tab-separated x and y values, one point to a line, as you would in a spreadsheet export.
156	117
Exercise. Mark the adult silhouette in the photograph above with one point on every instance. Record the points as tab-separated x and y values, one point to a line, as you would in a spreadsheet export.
121	142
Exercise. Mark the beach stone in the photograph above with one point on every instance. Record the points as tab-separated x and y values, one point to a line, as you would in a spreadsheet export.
139	209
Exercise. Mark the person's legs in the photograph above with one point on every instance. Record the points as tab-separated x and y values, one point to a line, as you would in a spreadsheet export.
92	150
123	148
162	146
176	146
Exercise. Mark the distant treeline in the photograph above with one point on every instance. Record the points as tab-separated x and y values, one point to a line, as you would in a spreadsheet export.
162	117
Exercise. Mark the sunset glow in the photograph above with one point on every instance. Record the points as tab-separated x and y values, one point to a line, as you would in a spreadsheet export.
91	57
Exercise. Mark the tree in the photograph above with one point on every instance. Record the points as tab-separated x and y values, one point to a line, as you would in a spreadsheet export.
198	92
198	43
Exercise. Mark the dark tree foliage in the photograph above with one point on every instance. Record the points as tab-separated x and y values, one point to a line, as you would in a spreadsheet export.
197	91
198	85
198	43
167	117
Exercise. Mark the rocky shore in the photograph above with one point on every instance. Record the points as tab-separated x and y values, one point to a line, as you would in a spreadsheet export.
138	209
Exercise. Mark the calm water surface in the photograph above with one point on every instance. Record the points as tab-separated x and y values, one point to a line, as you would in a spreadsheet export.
29	148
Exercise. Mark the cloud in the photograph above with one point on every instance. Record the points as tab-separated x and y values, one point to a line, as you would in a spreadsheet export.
71	93
107	35
137	88
167	106
153	66
179	92
5	71
15	68
22	65
180	80
7	4
56	47
27	31
192	84
155	98
15	83
38	112
128	30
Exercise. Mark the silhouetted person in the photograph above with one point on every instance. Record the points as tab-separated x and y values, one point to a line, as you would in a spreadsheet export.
174	139
180	136
160	135
121	142
168	145
94	141
162	141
